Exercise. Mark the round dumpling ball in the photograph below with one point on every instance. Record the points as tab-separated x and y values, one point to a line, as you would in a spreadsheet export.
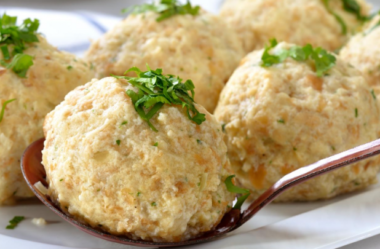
108	168
198	47
296	21
283	117
48	80
363	52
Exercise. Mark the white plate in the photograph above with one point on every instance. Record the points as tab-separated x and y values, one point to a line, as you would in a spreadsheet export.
327	224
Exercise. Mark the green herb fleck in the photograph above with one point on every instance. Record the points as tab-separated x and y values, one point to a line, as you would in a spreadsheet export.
198	184
60	180
69	67
356	183
155	144
356	113
353	7
323	60
138	193
165	9
154	204
281	121
124	123
294	148
118	142
373	94
224	127
156	89
14	222
3	108
199	141
333	148
17	36
233	189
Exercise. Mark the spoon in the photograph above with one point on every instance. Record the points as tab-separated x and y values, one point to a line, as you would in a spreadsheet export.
34	172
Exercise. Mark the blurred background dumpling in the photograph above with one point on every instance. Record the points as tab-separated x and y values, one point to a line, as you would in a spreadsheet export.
198	47
296	21
363	52
25	100
284	116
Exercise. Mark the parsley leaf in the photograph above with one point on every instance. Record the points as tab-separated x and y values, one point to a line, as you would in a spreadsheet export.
350	6
233	189
14	222
19	64
17	36
3	108
353	7
336	16
323	60
165	9
156	89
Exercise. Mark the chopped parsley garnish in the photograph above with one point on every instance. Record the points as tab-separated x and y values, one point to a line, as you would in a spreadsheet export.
165	9
138	193
199	141
14	222
323	60
281	121
69	67
350	6
373	94
224	127
18	36
236	190
353	7
118	142
154	204
356	113
124	123
155	144
3	108
156	89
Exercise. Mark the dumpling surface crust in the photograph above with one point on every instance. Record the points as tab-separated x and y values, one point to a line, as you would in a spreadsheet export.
363	52
295	21
199	47
107	167
281	118
52	76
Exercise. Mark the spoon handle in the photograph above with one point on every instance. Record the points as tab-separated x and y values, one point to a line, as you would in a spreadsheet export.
308	172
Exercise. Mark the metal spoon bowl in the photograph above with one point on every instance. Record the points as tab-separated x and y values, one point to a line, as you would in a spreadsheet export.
34	171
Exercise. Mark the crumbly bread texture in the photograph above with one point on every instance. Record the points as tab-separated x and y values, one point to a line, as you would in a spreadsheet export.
295	21
200	48
363	52
281	118
52	76
106	167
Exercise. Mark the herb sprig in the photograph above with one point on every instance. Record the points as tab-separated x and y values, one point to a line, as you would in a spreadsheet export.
156	89
18	36
236	190
14	222
323	60
165	9
3	108
350	6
